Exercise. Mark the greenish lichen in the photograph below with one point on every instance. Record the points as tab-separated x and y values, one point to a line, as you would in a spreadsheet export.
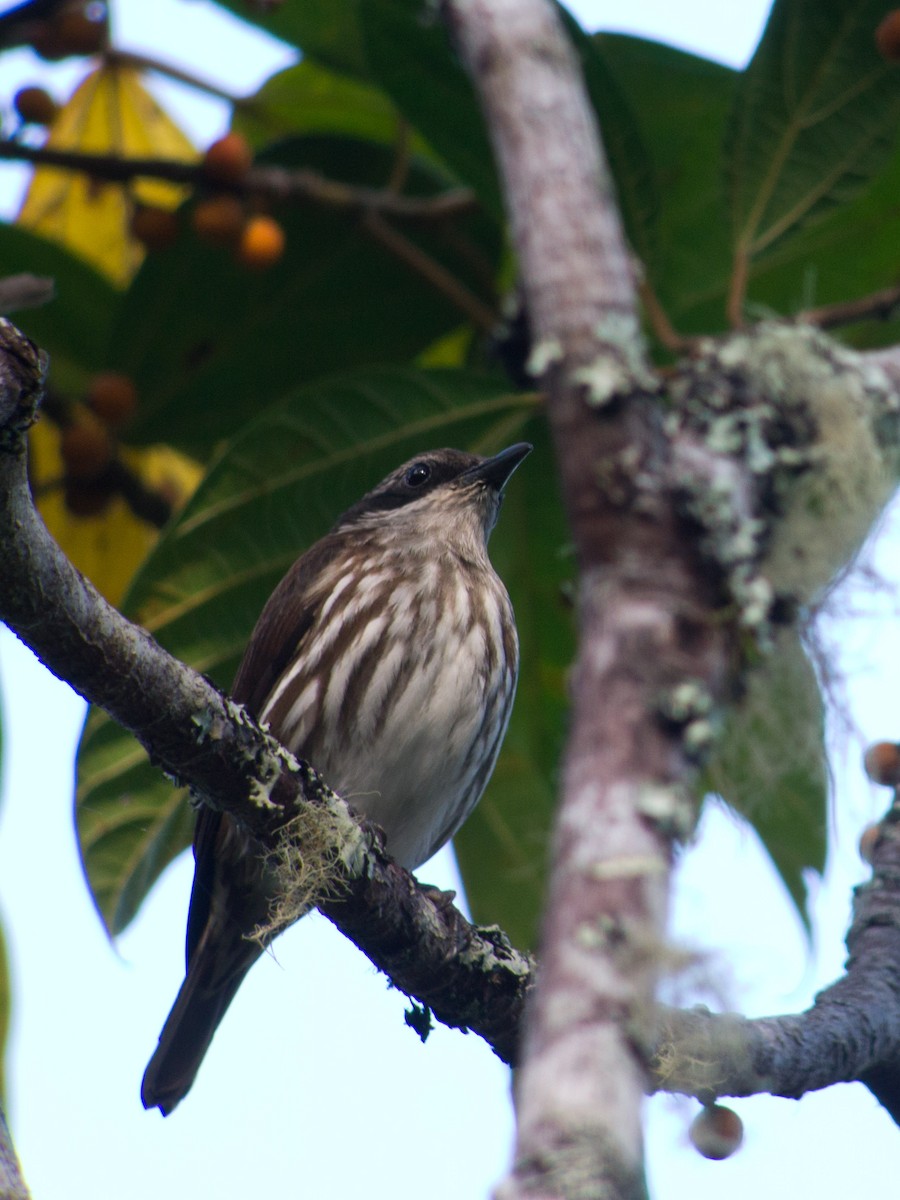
788	453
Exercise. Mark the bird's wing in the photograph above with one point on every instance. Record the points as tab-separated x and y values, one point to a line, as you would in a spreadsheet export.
279	632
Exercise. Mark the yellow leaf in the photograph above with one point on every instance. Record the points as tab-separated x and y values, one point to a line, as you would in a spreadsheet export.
107	548
110	112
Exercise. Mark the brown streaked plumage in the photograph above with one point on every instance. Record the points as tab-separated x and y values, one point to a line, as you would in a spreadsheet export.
387	657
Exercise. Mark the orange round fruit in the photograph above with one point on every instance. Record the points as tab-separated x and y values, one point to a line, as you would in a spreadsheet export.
716	1131
86	449
156	228
219	220
882	763
261	244
228	159
35	105
112	397
887	36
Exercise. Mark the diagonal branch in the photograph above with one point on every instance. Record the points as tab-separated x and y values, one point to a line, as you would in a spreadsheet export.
469	977
272	182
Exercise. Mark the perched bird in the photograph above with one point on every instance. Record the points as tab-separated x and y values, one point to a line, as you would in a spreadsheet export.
386	657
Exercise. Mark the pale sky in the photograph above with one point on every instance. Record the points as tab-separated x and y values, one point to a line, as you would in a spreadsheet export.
314	1086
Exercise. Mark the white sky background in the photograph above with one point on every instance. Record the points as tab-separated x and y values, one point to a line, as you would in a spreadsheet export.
314	1086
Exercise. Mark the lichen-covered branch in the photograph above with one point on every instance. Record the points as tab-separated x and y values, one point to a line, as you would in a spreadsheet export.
469	977
851	1033
644	608
675	520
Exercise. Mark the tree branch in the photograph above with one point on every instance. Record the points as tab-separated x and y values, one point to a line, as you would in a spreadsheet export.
671	520
278	184
12	1185
469	977
851	1033
644	615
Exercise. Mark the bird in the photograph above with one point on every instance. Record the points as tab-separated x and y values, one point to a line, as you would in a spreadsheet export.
387	657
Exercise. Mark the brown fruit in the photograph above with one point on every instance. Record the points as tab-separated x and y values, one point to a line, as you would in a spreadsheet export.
887	36
716	1131
84	498
35	105
156	228
86	450
71	32
882	763
219	219
228	160
867	840
112	397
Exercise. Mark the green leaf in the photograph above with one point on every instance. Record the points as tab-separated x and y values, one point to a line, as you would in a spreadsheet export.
309	98
503	849
629	160
274	489
327	30
771	764
210	344
409	53
681	104
815	118
73	327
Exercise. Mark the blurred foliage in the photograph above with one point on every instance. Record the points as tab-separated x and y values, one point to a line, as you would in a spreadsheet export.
287	392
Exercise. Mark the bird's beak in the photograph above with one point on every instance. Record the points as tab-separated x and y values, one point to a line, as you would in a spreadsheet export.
497	470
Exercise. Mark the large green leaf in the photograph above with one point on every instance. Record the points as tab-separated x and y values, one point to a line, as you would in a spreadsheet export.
273	490
815	118
310	98
73	327
503	849
681	104
771	764
210	344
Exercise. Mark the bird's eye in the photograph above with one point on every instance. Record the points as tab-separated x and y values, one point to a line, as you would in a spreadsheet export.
418	474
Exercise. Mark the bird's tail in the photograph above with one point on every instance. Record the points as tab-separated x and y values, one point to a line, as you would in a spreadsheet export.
186	1036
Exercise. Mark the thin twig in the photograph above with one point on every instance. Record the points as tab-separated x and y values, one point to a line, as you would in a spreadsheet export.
116	57
275	183
879	306
665	331
431	270
737	291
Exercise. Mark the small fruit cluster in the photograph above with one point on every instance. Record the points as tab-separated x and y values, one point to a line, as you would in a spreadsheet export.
221	218
87	442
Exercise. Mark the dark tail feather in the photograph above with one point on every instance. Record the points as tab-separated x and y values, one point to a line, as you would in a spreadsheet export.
187	1034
